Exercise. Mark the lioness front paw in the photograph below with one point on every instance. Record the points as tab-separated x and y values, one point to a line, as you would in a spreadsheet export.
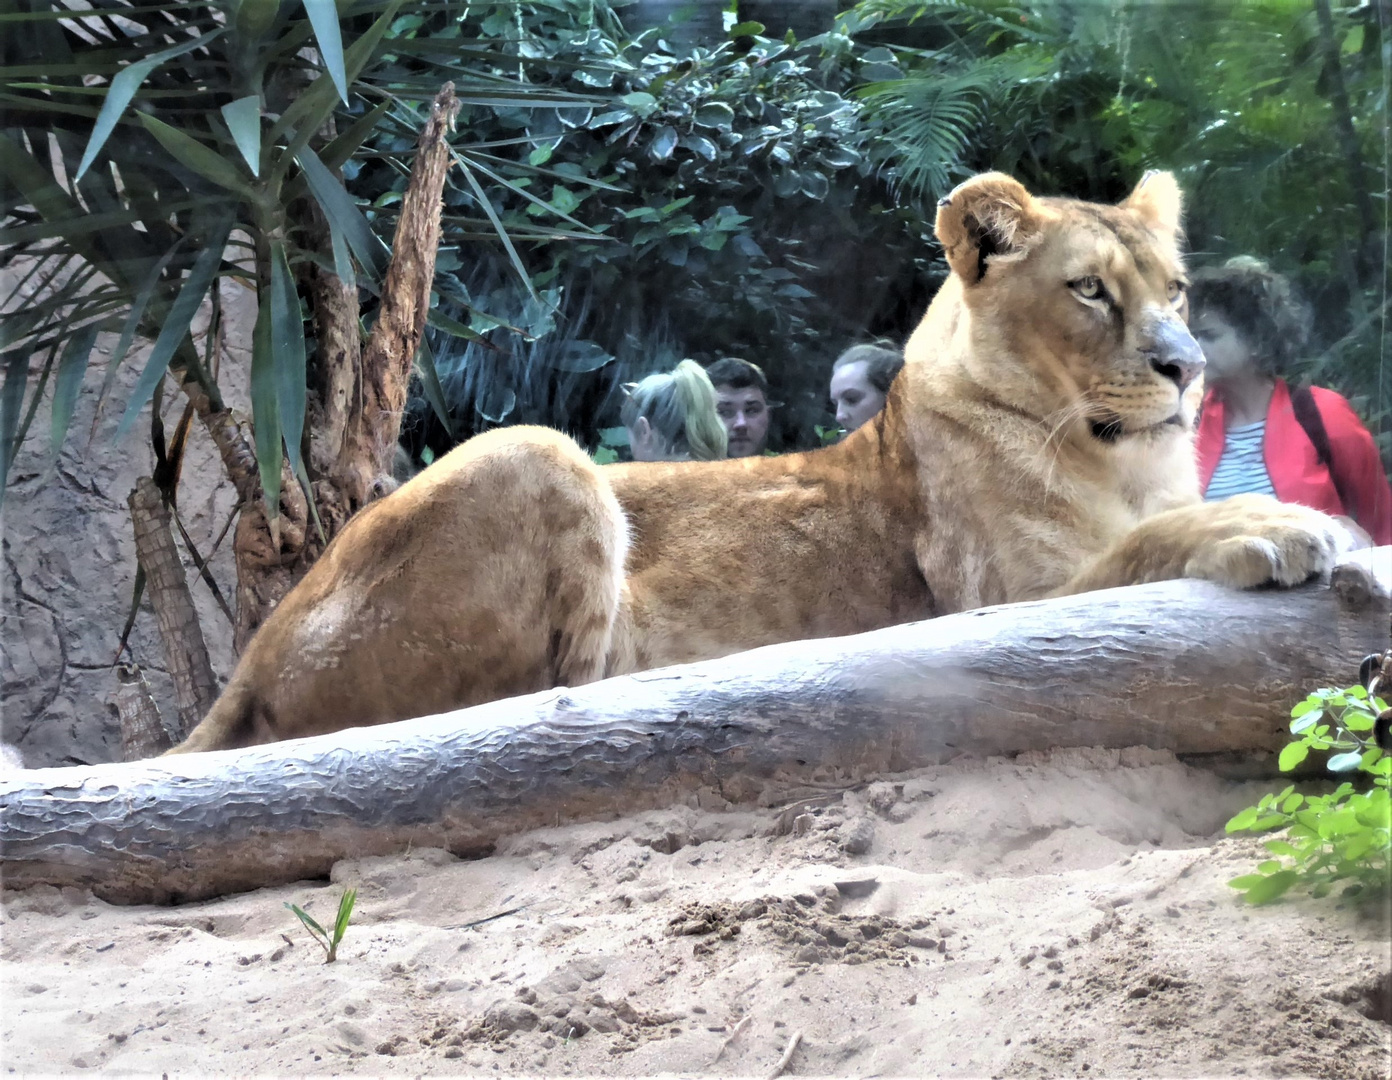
1256	540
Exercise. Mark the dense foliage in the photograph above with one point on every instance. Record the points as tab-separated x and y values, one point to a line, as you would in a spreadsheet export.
731	209
1344	835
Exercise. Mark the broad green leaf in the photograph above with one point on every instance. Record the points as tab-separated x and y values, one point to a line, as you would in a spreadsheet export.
339	208
1310	704
243	118
192	154
644	104
663	143
265	416
1291	803
1344	762
715	114
1359	846
1271	886
1359	720
1292	756
430	383
1306	721
176	324
1241	820
1280	847
1246	881
288	346
71	368
323	16
1339	823
123	88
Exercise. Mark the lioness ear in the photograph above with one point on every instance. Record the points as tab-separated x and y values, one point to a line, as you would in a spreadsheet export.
1158	200
990	214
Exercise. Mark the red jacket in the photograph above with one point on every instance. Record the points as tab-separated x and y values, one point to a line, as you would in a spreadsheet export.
1294	466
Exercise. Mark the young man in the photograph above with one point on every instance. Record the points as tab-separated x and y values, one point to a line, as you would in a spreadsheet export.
741	401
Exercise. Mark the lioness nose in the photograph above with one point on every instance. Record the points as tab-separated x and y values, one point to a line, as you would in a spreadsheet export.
1177	355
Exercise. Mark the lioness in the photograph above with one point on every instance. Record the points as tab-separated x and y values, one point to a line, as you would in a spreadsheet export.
1038	442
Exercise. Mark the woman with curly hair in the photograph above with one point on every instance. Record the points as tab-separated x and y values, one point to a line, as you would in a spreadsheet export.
1304	445
671	416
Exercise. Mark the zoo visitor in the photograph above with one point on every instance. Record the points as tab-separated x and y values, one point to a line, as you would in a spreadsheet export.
742	401
860	379
1256	434
670	416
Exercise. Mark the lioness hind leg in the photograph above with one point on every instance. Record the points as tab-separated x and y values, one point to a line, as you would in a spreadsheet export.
585	575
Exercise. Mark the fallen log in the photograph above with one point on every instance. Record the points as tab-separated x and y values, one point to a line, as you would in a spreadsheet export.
1182	665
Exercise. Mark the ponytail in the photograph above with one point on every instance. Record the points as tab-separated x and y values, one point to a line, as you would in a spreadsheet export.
705	434
680	406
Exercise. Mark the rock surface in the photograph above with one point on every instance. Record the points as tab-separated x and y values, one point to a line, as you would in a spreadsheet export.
69	557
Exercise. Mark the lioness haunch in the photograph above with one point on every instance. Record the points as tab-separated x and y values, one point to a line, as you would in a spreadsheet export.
1038	442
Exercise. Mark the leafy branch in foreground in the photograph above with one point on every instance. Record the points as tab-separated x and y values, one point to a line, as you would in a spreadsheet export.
1344	835
329	942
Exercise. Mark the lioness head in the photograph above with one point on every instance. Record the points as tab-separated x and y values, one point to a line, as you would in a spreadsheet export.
1090	298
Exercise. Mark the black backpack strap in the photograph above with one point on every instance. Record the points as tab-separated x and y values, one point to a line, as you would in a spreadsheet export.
1307	415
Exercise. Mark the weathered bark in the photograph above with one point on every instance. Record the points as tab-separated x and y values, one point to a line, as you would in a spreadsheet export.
375	424
1182	665
143	734
195	688
267	566
340	358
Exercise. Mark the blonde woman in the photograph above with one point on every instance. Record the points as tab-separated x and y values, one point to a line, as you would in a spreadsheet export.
671	416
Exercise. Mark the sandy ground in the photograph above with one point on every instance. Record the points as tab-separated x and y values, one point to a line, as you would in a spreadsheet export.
1056	915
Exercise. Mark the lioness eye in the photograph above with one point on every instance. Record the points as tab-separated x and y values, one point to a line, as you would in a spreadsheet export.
1175	291
1089	288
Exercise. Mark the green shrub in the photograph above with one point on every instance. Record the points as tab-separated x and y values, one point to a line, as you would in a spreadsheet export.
1341	836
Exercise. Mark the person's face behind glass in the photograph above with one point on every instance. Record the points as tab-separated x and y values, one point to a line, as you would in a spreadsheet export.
1226	352
745	415
855	399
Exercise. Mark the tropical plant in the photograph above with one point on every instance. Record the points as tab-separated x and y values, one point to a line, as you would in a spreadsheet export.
150	153
329	941
1344	835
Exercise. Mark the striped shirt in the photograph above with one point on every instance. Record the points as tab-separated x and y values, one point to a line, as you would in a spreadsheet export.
1241	468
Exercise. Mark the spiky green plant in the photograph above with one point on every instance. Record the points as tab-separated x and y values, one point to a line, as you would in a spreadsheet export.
329	941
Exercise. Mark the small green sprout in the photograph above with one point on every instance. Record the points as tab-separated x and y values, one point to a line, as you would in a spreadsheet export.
1344	835
327	942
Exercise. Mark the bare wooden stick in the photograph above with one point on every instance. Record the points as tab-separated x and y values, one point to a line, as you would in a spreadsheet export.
787	1056
143	734
195	687
1185	666
725	1045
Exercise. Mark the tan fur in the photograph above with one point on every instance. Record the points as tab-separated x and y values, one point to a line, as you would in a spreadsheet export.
1029	448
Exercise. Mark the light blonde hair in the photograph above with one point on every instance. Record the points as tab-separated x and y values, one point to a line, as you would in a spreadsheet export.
680	406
